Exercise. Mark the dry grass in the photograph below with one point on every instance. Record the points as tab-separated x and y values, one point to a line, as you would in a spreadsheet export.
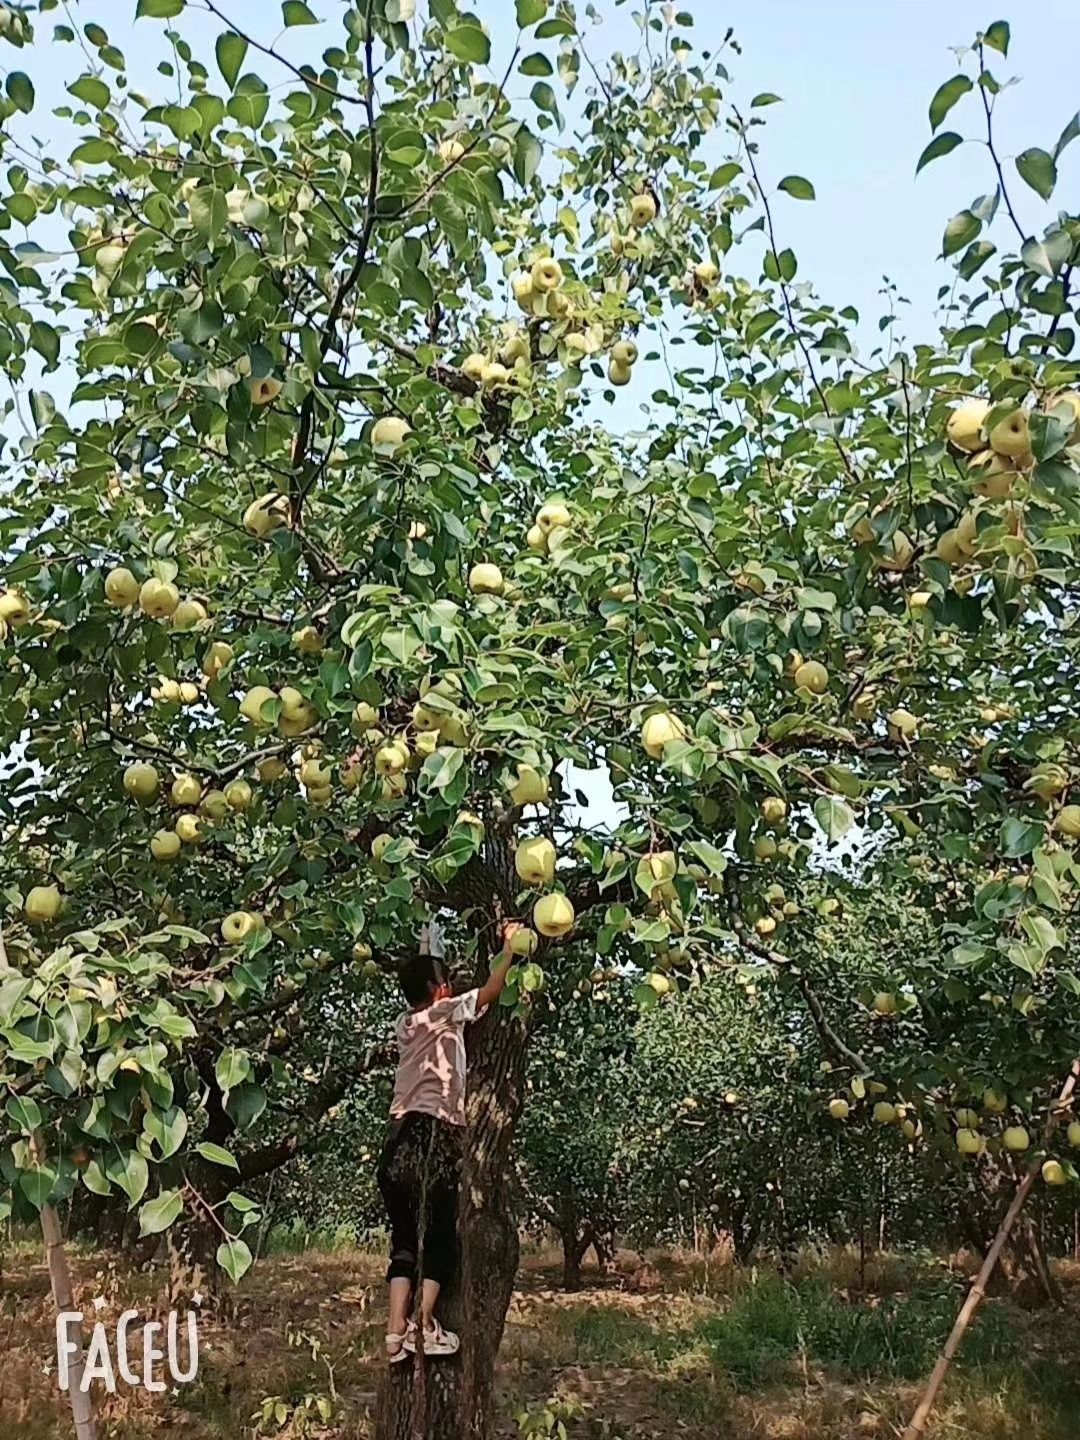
669	1345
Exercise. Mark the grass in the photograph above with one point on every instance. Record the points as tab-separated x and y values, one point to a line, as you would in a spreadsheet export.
717	1351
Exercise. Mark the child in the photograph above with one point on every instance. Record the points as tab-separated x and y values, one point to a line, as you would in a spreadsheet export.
418	1169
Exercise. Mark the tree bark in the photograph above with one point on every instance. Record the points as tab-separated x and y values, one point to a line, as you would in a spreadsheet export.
451	1399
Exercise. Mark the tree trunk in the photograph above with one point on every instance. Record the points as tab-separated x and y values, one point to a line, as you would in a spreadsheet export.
451	1399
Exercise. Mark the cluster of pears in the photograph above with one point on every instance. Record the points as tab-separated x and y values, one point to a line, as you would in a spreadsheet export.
1014	1138
143	784
296	716
540	295
551	528
159	599
511	359
553	914
638	216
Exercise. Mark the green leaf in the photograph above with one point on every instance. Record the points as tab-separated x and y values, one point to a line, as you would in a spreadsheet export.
158	1214
712	858
216	1154
95	1179
234	1257
24	1112
46	342
168	1128
528	153
37	1185
960	231
295	12
1068	135
797	187
941	144
946	97
232	1068
1037	168
1020	837
129	1171
95	92
230	50
468	42
20	90
209	211
765	98
159	9
1046	257
528	12
536	64
997	37
245	1104
833	815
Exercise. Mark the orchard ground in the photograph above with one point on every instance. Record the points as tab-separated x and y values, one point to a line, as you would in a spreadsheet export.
669	1343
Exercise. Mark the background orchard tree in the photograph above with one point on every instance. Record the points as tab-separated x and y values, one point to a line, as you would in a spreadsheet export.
327	566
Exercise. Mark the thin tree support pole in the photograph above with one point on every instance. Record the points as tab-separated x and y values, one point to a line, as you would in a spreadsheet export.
917	1428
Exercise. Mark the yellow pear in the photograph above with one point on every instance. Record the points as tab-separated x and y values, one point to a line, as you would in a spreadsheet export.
546	275
214	805
217	656
1067	821
185	790
141	781
266	514
380	845
902	725
236	928
474	365
1073	1134
992	475
158	598
485	579
189	829
188	614
389	432
884	1112
530	787
964	427
1011	436
553	515
553	915
307	640
494	373
949	549
269	770
706	273
450	151
659	730
536	539
251	706
264	390
14	608
524	941
389	760
994	1102
619	374
121	588
839	1108
534	861
1053	1173
773	809
165	845
314	775
642	210
885	1003
42	904
813	676
239	794
1015	1138
624	352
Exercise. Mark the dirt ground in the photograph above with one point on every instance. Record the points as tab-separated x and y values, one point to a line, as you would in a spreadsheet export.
667	1345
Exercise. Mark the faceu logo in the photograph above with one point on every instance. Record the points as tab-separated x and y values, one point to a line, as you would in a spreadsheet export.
98	1362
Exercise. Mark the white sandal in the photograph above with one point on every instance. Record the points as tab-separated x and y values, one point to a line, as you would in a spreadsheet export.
397	1346
437	1341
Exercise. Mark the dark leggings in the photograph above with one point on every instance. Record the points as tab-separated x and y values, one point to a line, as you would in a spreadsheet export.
418	1179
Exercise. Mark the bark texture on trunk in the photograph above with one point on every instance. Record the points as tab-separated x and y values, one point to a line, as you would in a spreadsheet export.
451	1399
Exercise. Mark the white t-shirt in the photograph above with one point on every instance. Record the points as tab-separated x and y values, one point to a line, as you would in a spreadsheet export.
431	1058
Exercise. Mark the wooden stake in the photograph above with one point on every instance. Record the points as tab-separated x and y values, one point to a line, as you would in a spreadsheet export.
917	1428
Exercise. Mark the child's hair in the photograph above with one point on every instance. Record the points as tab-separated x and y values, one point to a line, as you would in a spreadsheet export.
420	975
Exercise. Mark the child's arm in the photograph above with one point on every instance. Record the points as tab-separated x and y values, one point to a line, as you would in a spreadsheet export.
493	986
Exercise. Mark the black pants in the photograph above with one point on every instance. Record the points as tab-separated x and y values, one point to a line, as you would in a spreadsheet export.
418	1179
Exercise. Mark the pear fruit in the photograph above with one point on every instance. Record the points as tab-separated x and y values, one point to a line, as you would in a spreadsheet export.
485	579
265	389
546	275
619	374
642	210
307	640
158	598
1053	1173
214	805
1011	436
380	845
121	588
236	928
524	942
141	781
252	704
553	515
530	787
624	352
1016	1139
266	514
239	794
390	432
839	1108
773	809
658	730
189	828
884	1112
964	426
217	656
812	675
185	790
534	861
707	273
165	845
42	904
188	614
553	916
